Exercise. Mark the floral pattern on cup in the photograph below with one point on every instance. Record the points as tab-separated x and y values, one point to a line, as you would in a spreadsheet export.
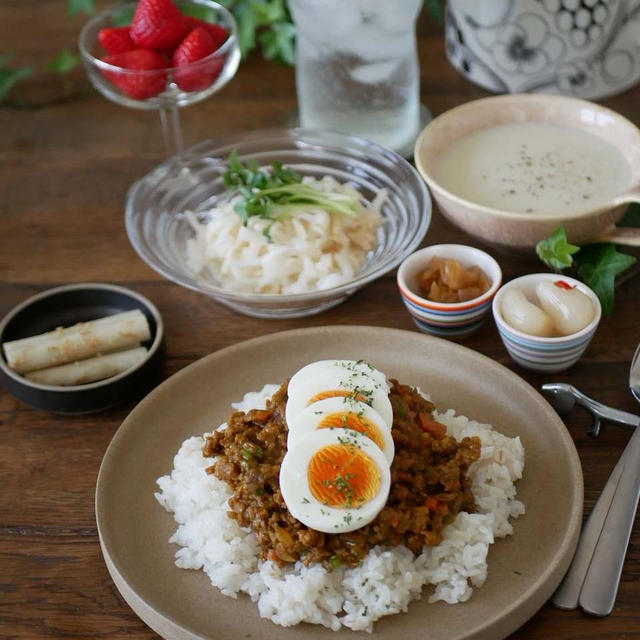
586	48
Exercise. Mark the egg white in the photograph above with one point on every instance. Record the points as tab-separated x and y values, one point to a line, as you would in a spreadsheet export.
346	375
344	368
300	501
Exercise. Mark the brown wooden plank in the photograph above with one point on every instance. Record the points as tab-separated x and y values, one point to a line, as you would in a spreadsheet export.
67	158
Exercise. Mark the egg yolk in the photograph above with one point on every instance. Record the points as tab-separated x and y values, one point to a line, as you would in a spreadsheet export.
339	393
350	420
342	476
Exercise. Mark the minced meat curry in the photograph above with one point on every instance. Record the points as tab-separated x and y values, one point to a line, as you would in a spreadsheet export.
429	485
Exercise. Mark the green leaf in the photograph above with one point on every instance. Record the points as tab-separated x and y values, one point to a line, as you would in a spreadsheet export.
268	12
631	217
598	265
122	17
278	43
64	62
245	18
436	9
278	192
555	251
74	7
199	11
10	77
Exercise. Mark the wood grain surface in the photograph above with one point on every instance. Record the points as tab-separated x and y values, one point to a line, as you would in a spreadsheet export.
67	157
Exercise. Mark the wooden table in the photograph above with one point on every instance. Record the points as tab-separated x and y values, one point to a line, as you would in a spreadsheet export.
67	157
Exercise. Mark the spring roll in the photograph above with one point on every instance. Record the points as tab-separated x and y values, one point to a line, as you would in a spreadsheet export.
89	370
83	340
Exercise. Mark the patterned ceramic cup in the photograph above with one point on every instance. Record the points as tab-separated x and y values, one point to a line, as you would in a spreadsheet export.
585	48
548	355
447	320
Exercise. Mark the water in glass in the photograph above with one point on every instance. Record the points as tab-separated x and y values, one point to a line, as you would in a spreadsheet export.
357	68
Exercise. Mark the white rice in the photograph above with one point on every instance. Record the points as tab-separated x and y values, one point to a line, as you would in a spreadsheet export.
388	579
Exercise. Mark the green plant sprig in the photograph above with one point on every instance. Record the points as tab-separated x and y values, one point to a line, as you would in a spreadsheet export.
597	265
277	193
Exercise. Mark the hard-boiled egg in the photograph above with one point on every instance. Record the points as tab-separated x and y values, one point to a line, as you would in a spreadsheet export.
334	480
351	379
342	413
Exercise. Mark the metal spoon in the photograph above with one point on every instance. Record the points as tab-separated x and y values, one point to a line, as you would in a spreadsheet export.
600	586
563	397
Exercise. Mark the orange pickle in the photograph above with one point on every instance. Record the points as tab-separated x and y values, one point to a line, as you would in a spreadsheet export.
447	280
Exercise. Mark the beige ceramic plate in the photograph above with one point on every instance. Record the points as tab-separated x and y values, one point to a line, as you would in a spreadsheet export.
524	569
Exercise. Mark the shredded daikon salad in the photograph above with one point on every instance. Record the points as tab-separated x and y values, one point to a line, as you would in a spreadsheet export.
303	251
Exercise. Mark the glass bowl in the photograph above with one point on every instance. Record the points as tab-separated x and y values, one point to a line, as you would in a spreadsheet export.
220	66
193	181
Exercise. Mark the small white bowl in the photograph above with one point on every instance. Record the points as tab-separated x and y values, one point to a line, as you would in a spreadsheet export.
452	319
547	355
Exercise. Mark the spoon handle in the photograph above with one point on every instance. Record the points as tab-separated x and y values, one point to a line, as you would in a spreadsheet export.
567	594
603	576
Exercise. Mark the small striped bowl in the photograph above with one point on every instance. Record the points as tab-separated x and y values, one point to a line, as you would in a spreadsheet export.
447	320
548	355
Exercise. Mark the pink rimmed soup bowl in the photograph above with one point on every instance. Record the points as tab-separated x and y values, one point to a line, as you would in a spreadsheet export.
512	230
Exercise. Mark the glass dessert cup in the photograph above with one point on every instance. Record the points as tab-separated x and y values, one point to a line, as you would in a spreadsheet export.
160	89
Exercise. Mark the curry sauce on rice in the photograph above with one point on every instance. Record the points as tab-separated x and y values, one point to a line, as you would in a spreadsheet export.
429	483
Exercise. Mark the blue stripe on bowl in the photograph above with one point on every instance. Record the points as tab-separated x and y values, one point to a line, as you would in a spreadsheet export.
446	321
534	356
545	361
448	331
544	346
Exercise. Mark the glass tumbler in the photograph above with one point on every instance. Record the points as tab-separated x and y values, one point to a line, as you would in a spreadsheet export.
357	68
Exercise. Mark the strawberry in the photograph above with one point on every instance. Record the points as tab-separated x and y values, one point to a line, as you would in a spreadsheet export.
189	75
139	86
116	40
218	33
157	24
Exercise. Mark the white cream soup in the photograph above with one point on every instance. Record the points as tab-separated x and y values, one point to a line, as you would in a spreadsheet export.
533	167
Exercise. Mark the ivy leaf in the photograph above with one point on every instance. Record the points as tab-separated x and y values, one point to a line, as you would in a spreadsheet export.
10	77
74	7
598	265
631	217
436	9
555	251
64	62
278	43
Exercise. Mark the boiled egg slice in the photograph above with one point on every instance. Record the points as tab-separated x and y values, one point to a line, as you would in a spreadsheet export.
344	369
350	379
334	480
336	413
